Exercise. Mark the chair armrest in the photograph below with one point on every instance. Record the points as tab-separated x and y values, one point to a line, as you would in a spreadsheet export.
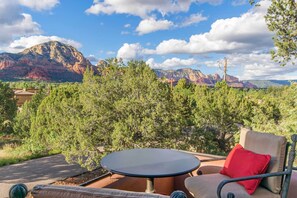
208	169
210	166
213	159
230	195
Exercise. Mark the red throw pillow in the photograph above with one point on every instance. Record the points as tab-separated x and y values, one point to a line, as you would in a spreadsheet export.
241	163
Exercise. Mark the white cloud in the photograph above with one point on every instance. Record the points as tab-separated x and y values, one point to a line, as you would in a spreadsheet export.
242	34
151	25
212	2
11	29
92	58
147	11
130	51
110	52
245	41
125	32
194	18
137	8
26	42
171	63
199	44
256	66
133	51
39	5
246	33
143	9
260	66
248	28
10	12
15	24
127	25
26	26
239	2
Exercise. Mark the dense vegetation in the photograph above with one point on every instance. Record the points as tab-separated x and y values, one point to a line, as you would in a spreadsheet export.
128	107
8	108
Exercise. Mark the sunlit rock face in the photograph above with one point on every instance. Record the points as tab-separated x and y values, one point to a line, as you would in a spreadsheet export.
197	77
51	61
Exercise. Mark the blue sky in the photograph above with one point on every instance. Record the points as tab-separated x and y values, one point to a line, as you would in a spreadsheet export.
167	34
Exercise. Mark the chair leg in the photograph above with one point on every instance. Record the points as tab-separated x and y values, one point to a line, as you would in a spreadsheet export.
291	159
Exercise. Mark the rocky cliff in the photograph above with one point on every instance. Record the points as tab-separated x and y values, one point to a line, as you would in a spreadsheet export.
51	61
197	77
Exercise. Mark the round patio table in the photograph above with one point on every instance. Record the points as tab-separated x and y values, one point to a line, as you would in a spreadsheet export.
150	163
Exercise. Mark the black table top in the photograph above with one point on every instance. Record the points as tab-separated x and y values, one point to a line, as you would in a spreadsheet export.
150	162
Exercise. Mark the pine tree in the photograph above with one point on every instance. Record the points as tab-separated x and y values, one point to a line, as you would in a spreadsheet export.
8	108
281	19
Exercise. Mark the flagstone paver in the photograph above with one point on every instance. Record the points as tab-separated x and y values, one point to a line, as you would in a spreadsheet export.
37	171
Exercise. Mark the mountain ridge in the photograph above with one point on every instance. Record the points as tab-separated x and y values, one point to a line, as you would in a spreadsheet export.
197	77
50	61
271	83
58	62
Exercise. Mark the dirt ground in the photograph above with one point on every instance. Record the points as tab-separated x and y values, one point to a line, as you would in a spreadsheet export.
81	178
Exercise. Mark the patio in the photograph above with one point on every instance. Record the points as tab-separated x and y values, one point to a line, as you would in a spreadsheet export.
163	186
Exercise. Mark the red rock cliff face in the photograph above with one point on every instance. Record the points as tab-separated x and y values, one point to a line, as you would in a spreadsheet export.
6	61
197	77
51	61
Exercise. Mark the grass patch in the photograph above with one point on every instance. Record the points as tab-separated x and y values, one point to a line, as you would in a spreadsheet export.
12	151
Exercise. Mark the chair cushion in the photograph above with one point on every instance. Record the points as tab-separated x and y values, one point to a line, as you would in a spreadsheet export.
51	191
241	162
270	144
209	169
205	186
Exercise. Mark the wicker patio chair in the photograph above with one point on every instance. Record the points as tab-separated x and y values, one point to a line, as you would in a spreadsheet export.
275	182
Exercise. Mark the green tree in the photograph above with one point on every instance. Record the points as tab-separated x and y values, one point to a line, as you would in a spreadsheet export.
274	110
8	108
130	107
183	100
216	115
125	107
265	112
184	103
57	119
281	19
146	115
24	118
288	109
97	97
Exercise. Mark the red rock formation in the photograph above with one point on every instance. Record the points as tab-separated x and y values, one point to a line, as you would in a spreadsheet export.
197	77
217	77
231	79
52	61
38	74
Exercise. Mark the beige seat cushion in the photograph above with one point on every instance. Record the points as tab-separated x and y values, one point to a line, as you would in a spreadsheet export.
266	143
205	186
50	191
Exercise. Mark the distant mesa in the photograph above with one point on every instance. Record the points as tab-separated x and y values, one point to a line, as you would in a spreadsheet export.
51	61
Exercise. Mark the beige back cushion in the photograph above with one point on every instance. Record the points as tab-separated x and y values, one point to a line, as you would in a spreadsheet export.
265	143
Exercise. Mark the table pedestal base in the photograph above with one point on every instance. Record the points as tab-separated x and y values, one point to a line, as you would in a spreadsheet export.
150	185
